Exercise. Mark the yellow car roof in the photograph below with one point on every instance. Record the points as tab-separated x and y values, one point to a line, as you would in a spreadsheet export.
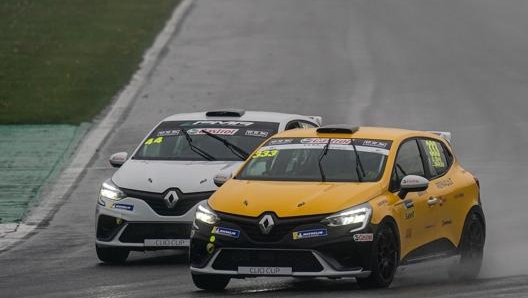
363	132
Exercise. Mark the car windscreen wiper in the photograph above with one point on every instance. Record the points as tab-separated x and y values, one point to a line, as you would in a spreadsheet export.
323	153
359	165
239	152
196	149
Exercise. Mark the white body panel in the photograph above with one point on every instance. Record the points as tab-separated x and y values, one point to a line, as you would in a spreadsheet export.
157	176
160	175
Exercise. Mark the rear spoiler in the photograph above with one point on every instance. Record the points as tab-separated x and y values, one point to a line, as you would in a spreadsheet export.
317	119
444	134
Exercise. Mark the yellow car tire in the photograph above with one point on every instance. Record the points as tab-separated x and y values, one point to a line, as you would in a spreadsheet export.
471	249
384	259
210	282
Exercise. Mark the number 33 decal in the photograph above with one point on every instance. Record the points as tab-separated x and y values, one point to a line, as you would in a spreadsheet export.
265	153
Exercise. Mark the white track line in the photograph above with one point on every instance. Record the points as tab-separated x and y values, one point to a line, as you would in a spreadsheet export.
11	233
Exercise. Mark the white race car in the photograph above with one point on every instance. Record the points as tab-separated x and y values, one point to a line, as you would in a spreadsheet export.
149	203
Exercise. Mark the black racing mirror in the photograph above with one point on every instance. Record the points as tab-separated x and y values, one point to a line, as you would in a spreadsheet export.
221	178
412	183
118	159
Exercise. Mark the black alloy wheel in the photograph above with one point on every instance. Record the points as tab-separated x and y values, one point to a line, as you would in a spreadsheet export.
471	250
210	282
112	255
384	259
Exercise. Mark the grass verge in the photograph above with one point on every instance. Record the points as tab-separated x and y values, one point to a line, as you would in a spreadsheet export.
62	61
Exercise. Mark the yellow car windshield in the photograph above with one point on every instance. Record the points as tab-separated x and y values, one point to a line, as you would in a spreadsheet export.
302	159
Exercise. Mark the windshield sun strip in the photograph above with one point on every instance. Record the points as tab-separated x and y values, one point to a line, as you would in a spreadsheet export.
321	146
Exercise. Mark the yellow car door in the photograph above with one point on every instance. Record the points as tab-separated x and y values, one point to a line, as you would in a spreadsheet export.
416	218
454	189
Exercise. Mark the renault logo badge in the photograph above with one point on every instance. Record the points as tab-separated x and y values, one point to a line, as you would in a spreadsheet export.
171	198
266	223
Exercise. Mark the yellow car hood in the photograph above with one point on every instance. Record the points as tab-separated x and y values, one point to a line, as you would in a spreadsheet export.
286	199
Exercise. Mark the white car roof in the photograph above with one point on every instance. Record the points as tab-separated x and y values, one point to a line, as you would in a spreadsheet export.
247	116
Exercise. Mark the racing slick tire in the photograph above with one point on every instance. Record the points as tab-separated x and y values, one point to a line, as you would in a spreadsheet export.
383	260
113	255
210	282
471	249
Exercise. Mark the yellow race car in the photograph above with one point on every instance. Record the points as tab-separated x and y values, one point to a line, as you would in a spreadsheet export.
340	201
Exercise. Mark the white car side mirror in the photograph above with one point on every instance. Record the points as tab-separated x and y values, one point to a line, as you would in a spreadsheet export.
118	159
221	178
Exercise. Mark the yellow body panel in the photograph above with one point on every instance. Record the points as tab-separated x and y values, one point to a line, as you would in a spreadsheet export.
288	199
417	225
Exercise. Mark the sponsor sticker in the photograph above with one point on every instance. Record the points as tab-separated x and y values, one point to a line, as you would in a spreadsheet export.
215	131
446	222
367	237
324	141
257	133
265	270
167	242
280	141
309	234
168	133
377	144
409	214
444	183
225	232
122	206
383	202
373	143
227	123
410	180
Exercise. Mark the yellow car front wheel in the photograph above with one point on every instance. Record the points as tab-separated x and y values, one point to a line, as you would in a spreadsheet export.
210	282
384	259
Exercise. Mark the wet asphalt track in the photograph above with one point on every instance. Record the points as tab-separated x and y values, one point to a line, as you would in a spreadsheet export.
446	65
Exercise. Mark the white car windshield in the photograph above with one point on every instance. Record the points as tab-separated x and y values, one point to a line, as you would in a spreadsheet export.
169	142
298	159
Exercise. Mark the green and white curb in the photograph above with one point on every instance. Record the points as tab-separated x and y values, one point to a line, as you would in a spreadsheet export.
11	233
30	156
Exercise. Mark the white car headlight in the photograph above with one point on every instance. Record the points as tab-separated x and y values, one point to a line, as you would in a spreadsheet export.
110	191
206	215
357	217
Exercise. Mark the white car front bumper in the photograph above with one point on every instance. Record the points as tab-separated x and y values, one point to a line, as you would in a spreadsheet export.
134	224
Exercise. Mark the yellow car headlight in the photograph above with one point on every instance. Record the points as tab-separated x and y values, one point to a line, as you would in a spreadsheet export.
356	217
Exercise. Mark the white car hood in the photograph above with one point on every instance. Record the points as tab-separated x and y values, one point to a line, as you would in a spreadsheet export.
159	175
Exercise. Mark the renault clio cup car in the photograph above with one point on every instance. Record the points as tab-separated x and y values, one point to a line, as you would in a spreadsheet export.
340	201
149	203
